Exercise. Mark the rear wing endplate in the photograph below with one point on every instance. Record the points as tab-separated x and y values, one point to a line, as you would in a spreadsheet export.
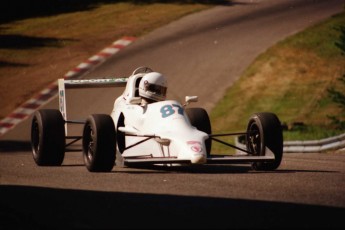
85	83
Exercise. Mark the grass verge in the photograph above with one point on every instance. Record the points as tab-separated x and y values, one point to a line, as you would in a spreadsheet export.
290	79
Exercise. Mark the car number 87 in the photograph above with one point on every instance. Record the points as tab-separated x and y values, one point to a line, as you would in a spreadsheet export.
168	110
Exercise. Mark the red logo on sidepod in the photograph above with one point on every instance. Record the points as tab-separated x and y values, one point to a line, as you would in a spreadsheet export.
195	146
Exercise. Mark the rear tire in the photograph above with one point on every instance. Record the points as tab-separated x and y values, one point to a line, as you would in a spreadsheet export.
199	118
264	130
99	143
48	137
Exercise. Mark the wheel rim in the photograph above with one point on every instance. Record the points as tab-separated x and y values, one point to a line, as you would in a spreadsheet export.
35	137
254	139
90	144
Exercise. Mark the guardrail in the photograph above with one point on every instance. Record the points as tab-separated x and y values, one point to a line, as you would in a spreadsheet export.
312	146
323	145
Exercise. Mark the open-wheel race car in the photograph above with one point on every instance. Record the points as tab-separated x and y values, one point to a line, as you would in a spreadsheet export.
151	130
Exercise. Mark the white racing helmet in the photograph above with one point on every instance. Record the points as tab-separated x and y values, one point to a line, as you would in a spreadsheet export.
153	86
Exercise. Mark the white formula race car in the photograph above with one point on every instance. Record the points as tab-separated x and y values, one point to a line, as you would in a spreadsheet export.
161	133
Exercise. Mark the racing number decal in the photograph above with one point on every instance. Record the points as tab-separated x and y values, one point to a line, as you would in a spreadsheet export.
168	110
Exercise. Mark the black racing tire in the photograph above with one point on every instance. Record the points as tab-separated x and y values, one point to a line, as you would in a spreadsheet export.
120	136
265	130
121	141
48	137
99	143
199	119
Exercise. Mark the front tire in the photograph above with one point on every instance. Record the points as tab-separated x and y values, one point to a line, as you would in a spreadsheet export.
264	130
99	143
48	137
199	118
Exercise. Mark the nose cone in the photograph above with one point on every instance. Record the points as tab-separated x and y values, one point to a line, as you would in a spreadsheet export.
199	159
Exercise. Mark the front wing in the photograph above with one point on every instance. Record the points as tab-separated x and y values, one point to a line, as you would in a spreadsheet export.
244	157
213	159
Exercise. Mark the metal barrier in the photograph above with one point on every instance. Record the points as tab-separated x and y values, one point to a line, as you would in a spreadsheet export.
323	145
312	146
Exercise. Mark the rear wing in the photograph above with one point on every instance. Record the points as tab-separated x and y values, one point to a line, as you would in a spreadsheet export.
86	83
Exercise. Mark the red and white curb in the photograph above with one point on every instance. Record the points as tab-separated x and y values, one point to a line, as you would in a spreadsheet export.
30	106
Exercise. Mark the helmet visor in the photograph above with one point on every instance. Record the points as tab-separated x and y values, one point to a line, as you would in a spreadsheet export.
156	89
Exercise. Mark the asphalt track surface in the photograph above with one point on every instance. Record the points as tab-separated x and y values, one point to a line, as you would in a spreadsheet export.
201	54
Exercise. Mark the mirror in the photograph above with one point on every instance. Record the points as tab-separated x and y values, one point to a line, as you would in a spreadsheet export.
191	99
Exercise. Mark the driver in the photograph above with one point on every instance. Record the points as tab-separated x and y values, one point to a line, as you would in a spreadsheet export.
152	88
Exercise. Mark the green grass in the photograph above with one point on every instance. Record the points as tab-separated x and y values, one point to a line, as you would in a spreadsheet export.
290	79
